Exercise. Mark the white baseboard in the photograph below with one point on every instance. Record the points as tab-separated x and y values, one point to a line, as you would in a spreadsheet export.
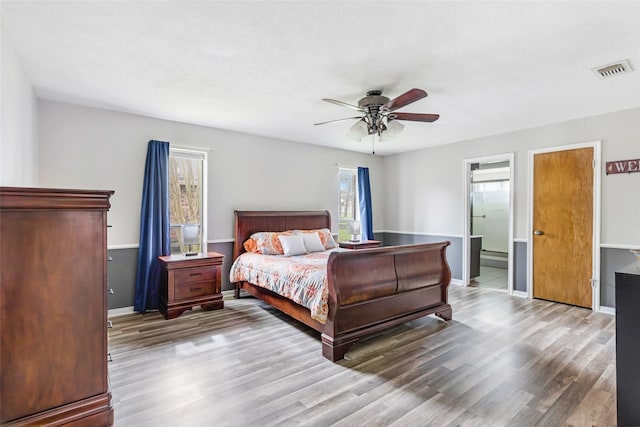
457	282
520	294
115	312
607	310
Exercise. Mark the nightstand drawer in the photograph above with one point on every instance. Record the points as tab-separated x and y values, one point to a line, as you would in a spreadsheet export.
194	275
193	290
188	281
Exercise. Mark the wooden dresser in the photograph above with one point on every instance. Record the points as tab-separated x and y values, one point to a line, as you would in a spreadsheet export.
188	281
53	307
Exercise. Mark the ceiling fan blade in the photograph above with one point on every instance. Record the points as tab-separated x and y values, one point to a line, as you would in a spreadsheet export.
405	99
416	117
344	104
338	120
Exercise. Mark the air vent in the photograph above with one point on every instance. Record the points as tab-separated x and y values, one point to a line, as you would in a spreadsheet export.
612	70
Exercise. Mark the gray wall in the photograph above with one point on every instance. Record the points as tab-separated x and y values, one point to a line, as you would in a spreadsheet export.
90	148
121	277
520	266
424	189
416	196
18	120
612	260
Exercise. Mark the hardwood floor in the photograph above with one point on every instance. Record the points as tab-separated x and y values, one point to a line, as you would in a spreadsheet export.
492	278
501	361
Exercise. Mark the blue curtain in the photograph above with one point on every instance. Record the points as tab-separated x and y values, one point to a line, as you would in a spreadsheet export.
154	226
364	198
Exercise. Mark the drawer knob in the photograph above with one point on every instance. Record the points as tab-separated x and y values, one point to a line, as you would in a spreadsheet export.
195	289
196	274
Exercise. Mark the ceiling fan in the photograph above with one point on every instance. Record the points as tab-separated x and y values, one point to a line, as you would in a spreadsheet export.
379	114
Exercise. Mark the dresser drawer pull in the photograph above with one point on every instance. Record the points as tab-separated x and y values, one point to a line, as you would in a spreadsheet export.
196	289
195	274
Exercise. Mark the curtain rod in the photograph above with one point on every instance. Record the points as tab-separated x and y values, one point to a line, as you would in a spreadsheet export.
184	147
338	165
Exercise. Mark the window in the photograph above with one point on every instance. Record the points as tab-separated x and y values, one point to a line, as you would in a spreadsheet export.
187	201
348	201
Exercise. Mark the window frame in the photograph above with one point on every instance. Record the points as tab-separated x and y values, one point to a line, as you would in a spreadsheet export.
343	224
203	156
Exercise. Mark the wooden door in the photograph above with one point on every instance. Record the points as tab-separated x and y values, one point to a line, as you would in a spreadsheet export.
563	226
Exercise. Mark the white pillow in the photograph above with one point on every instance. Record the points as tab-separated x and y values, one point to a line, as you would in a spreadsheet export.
312	242
292	245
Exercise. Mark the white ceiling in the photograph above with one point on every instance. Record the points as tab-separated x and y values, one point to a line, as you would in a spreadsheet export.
263	67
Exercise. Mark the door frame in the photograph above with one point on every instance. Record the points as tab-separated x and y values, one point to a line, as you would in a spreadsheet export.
466	232
595	240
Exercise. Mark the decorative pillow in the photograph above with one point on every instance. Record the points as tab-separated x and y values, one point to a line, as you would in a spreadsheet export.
250	245
266	242
325	237
292	245
312	242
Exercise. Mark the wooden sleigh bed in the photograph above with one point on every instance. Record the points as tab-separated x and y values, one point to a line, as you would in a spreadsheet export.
369	290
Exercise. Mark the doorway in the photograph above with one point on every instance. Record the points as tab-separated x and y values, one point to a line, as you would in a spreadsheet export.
564	224
487	243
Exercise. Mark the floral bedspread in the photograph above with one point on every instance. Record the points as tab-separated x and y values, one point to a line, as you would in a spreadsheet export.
302	279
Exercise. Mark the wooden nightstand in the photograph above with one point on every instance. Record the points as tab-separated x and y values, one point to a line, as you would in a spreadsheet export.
188	281
363	244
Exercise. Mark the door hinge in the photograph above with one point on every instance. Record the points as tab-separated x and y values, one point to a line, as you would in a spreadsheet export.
594	282
594	163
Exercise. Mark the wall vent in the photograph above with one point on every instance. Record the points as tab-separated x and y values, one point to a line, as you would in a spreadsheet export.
613	69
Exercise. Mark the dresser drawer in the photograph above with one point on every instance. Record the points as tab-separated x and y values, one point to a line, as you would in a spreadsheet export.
193	290
194	275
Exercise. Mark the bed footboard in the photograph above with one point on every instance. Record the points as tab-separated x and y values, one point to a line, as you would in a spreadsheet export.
374	289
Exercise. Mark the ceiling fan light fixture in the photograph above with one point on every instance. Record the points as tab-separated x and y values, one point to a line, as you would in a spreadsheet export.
358	131
394	128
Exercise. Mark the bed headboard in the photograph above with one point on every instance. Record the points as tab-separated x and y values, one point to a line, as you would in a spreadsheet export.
249	222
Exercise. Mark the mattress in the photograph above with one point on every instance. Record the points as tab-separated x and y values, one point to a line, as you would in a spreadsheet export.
302	278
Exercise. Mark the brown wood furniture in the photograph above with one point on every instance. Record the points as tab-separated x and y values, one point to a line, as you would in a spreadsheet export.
369	290
188	281
53	307
362	244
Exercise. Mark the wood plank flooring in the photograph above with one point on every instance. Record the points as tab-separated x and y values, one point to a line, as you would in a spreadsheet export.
501	361
492	278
